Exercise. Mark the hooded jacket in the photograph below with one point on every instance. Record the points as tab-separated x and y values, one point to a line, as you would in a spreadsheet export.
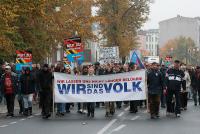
27	83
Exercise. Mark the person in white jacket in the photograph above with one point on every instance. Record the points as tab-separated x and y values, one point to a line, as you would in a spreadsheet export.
184	93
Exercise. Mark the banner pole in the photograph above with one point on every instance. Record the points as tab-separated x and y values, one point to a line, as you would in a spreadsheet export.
53	100
147	100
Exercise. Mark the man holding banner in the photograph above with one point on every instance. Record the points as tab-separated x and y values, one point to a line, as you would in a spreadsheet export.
155	84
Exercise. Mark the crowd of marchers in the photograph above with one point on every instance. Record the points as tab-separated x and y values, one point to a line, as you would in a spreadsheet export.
168	87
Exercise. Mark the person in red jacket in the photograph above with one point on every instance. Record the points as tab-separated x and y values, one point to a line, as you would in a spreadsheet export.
9	87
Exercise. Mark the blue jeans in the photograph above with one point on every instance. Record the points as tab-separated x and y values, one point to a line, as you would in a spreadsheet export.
60	107
27	100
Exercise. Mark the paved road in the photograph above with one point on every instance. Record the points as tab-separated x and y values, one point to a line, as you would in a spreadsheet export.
122	123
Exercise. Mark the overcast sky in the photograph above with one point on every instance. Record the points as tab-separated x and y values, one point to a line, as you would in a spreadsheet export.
165	9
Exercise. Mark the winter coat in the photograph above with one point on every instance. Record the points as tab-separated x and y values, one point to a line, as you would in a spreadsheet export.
174	79
45	81
14	83
155	82
27	84
187	81
195	81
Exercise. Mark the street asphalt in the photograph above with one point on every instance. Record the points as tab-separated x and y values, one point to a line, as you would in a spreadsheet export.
122	123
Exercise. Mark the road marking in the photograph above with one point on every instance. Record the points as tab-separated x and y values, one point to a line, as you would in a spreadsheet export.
22	119
121	114
107	126
30	117
4	126
126	109
12	123
37	114
135	118
119	128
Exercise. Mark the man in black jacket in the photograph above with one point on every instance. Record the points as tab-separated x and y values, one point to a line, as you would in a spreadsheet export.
174	81
163	71
45	82
155	84
195	80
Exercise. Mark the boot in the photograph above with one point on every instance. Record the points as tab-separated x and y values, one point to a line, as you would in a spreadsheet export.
92	114
25	112
88	114
30	111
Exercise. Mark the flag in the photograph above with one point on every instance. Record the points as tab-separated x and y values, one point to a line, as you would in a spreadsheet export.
136	60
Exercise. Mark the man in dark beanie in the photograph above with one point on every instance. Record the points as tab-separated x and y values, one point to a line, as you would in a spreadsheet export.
155	83
45	82
174	81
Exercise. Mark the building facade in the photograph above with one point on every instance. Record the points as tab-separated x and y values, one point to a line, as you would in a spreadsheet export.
179	26
152	40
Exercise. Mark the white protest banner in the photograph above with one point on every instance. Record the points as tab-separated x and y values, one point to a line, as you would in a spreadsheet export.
116	87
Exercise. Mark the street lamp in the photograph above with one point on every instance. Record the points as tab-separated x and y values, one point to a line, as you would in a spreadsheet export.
193	52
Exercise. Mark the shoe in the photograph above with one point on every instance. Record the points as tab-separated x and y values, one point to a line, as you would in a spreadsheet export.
62	114
119	107
185	108
67	111
157	116
25	113
59	114
178	115
92	115
163	106
106	114
30	111
135	111
195	104
112	113
153	117
47	116
79	111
